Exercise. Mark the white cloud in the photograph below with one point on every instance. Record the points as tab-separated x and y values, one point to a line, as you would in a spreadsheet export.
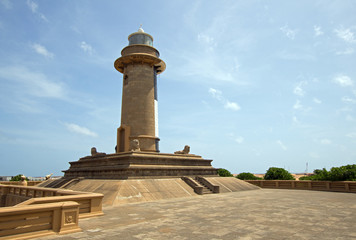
86	47
203	38
297	105
217	94
239	139
345	34
317	101
296	54
211	67
279	142
231	105
351	135
42	50
345	109
32	5
343	80
295	120
348	51
349	118
348	100
317	31
28	105
81	130
298	90
34	9
207	41
33	83
290	33
6	3
325	141
75	29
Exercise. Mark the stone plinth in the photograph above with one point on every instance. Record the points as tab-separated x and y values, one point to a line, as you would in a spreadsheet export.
139	165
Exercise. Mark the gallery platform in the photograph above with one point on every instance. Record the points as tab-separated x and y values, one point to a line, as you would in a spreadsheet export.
139	165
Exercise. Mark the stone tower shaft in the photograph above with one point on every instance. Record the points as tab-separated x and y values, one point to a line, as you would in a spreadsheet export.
139	63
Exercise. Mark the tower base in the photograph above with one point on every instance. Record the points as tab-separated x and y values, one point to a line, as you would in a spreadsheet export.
140	165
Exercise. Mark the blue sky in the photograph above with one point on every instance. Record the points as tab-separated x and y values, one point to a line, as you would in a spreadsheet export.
249	84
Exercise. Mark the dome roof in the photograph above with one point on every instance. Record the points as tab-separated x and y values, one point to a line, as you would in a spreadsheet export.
140	30
140	37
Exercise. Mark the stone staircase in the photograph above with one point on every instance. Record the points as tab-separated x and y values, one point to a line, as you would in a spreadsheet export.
201	185
55	183
206	190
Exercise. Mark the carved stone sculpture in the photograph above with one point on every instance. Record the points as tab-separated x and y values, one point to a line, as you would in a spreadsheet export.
184	151
48	176
135	145
23	181
94	153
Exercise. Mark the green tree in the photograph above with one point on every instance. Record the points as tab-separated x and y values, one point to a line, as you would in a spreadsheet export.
247	176
274	173
320	175
343	173
17	178
224	173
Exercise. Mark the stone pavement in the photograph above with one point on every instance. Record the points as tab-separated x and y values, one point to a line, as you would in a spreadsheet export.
256	214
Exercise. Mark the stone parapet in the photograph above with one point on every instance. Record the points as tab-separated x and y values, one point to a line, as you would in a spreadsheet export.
337	186
29	183
39	220
90	204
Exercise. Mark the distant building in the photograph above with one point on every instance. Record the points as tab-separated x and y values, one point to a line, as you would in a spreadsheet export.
5	178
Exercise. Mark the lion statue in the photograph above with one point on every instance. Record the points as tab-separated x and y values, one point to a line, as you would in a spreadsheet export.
94	153
48	176
186	150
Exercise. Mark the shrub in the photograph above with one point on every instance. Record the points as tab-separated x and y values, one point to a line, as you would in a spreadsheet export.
224	173
17	178
343	173
305	178
274	173
247	176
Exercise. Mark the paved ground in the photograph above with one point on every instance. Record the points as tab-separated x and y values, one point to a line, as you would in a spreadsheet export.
257	214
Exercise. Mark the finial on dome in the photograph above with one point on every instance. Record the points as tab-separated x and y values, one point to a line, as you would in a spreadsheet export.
140	29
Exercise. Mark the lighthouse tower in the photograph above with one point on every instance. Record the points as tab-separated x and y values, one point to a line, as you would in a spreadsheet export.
140	64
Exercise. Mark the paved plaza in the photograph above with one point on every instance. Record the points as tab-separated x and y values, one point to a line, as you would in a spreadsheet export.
256	214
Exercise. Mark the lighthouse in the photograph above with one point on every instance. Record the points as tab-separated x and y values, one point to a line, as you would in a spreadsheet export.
140	64
137	154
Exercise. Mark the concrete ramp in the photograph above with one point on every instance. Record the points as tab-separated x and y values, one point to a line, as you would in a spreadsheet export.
231	184
128	191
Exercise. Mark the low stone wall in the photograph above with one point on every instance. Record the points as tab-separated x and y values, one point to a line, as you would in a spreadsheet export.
29	183
90	204
39	220
345	186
